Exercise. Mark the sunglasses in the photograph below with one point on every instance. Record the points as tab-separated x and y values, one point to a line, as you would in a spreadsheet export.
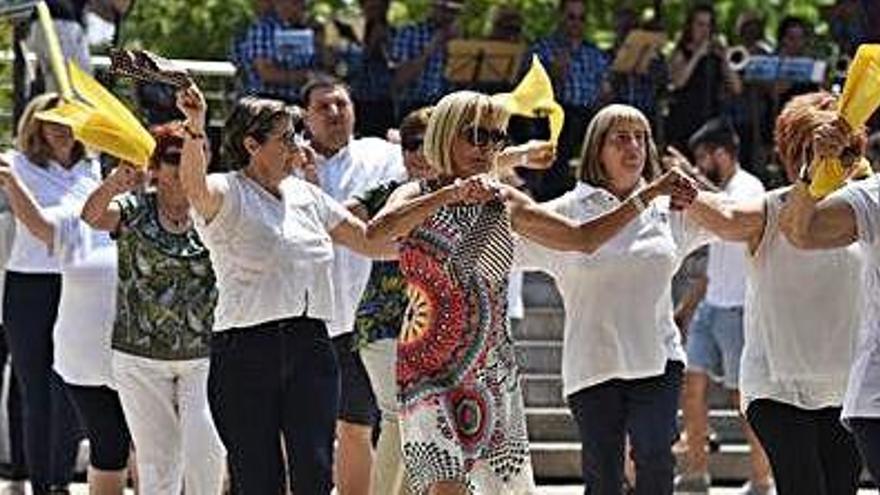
480	137
293	139
412	144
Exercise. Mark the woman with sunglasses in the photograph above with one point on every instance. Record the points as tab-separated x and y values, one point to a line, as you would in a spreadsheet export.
46	181
273	371
461	411
164	314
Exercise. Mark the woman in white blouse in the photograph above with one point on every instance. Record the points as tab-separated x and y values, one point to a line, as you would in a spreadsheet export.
801	324
622	356
273	369
851	215
49	162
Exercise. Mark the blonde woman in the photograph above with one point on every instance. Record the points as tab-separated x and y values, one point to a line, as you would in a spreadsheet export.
462	420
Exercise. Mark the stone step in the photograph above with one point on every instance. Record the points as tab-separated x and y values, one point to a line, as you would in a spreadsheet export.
555	424
545	390
539	289
540	323
562	461
540	356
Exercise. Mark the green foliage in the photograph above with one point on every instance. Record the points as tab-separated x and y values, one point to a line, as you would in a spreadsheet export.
199	29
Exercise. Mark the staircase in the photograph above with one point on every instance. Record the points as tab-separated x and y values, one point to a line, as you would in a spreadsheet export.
554	438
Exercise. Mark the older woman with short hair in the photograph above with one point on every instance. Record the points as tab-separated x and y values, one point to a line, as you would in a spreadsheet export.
273	368
462	418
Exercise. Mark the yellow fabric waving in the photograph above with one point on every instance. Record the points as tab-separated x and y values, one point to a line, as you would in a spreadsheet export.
533	98
861	93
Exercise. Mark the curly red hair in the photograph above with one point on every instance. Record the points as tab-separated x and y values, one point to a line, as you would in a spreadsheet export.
800	118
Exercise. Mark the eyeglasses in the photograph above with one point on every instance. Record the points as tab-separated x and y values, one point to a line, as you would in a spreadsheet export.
480	137
171	157
412	144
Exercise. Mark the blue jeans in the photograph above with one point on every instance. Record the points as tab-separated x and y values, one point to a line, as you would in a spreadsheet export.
644	409
715	343
273	378
51	430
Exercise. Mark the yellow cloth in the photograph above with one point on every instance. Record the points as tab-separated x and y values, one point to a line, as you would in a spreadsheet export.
829	174
100	121
56	60
861	93
533	98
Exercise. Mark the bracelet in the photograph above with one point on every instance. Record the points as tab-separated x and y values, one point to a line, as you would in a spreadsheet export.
637	202
195	135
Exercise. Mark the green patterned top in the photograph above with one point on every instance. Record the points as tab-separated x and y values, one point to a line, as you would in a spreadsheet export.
167	292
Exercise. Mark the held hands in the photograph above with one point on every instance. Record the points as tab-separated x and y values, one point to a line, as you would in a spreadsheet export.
475	189
678	186
676	159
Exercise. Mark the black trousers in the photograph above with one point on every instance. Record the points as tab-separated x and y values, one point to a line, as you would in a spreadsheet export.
276	378
644	408
810	451
17	466
51	430
867	434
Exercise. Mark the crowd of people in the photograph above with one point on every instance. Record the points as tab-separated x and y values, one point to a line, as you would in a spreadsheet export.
331	306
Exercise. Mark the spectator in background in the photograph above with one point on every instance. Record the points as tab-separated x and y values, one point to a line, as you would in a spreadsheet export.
368	71
793	37
419	53
751	111
699	77
243	43
281	51
846	24
872	152
577	69
639	90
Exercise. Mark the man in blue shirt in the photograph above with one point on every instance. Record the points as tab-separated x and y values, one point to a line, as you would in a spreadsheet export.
577	69
419	53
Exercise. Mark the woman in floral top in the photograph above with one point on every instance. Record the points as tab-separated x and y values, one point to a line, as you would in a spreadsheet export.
164	316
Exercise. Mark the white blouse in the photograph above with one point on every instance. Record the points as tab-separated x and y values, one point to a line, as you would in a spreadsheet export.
48	186
618	304
863	391
801	319
273	257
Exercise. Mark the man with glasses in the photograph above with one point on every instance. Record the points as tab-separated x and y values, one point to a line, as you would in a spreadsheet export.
346	168
577	70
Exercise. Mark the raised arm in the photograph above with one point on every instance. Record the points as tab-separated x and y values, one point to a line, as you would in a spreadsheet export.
24	207
729	219
556	232
205	197
99	211
408	206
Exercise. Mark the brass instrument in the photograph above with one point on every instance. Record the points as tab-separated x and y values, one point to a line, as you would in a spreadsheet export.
737	58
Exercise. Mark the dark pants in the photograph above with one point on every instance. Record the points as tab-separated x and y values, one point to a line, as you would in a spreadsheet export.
810	451
17	469
51	433
644	409
101	414
271	379
866	431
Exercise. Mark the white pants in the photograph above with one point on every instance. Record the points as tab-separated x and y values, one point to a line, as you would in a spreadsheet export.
166	407
380	360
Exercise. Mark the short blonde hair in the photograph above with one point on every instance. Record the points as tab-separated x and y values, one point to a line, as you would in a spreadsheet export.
592	170
452	114
30	140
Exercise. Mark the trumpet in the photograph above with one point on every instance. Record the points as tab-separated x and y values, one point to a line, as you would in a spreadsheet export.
737	57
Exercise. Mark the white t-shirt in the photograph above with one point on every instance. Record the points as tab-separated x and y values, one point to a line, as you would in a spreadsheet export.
355	169
801	319
272	257
86	311
48	186
863	390
726	269
618	303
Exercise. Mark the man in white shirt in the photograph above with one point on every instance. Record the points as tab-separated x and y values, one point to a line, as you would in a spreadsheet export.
715	337
346	168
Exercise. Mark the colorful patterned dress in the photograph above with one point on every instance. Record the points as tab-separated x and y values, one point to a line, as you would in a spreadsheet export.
462	415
